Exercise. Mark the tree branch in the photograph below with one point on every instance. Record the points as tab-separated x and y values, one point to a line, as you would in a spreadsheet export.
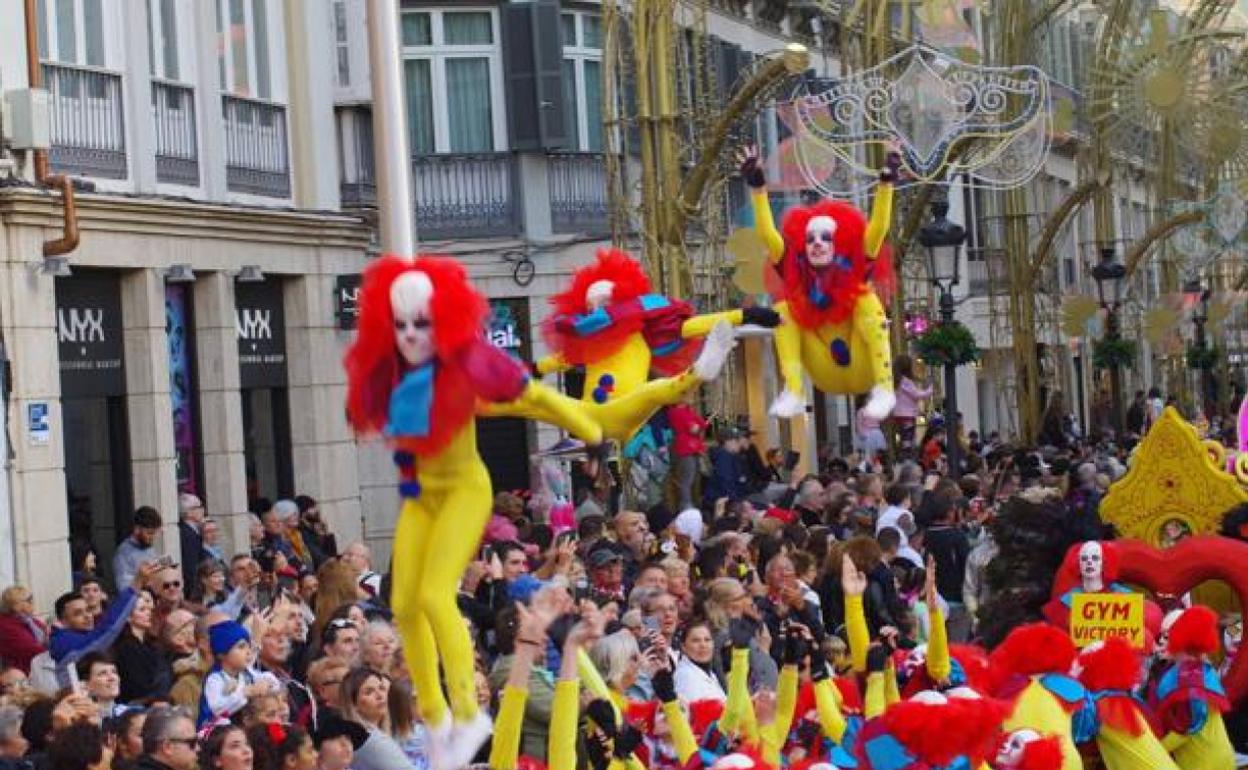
1155	234
791	61
1079	196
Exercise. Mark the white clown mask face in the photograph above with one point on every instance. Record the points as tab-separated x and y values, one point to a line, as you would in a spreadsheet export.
1091	562
1011	752
820	234
410	298
598	294
1163	637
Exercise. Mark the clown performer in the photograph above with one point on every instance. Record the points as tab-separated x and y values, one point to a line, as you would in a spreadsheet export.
1187	698
416	373
1111	671
1028	750
833	323
957	730
610	321
1090	567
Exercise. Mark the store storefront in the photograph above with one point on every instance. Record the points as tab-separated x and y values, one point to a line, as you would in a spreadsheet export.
180	329
504	443
261	321
91	349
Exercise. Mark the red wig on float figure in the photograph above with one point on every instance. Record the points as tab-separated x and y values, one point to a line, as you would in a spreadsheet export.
1115	666
374	366
843	288
629	282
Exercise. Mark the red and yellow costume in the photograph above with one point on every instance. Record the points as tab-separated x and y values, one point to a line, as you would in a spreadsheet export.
426	410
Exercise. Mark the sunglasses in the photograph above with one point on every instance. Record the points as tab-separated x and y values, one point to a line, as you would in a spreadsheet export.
341	623
172	584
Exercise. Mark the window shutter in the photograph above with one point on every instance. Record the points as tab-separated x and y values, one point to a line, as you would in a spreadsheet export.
548	55
521	77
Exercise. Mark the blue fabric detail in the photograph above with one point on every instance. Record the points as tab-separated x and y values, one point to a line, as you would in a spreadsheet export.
410	404
606	380
842	262
818	298
590	323
886	753
1200	716
654	302
404	459
842	755
409	490
1063	687
1168	683
667	348
1085	723
957	674
600	396
961	763
1213	683
840	351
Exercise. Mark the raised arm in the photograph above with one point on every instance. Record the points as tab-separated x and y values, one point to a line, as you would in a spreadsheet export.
939	666
701	325
764	223
853	586
882	208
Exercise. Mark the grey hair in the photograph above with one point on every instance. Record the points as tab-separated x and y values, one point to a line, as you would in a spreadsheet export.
159	724
641	598
613	654
10	722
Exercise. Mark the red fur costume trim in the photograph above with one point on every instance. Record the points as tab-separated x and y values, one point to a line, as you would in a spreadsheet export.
1115	665
630	283
1195	632
975	664
923	728
704	713
1042	754
1034	648
841	287
374	366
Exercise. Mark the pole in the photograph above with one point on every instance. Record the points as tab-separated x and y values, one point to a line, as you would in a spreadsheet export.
1112	332
392	162
951	393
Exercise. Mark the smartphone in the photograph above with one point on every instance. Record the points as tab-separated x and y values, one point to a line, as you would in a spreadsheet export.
650	624
75	684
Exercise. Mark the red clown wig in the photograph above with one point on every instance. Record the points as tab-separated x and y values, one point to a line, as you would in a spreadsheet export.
841	287
923	728
629	282
1194	633
374	366
1034	648
1114	665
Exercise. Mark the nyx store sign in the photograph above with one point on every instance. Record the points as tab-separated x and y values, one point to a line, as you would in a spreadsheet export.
89	335
260	321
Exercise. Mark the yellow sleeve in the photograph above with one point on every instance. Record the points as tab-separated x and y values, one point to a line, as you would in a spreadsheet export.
881	220
1172	741
891	693
551	364
856	630
765	225
873	701
828	704
683	741
632	763
561	745
701	325
775	734
939	666
506	747
738	693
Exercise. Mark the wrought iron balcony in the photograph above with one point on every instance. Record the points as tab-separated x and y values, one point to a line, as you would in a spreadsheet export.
579	202
466	195
88	124
173	121
257	159
358	180
986	272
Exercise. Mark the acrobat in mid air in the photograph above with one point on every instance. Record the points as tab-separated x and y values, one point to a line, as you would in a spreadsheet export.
417	372
612	323
830	257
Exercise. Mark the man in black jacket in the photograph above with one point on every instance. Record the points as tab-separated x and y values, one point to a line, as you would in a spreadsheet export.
190	523
169	740
949	546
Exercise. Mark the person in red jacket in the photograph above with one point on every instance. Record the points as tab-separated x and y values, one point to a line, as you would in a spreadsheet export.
688	445
22	635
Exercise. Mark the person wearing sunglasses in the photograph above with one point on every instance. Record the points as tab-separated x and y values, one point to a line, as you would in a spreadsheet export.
169	740
22	635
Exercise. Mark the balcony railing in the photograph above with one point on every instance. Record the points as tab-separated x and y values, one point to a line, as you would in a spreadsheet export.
578	192
986	272
88	127
173	121
466	196
257	160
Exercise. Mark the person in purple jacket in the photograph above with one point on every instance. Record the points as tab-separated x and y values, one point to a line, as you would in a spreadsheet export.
909	396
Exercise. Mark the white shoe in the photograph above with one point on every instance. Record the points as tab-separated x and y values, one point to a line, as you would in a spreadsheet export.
467	738
881	403
715	350
439	745
788	404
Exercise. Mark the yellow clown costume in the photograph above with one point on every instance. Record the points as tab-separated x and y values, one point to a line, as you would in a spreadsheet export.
610	322
417	371
833	323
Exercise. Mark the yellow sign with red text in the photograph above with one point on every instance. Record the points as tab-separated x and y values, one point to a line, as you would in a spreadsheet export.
1096	617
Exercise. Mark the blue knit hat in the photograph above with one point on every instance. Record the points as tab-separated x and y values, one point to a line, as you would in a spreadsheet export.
224	635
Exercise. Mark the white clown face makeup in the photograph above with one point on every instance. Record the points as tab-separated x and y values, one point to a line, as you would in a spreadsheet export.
410	298
1091	562
1011	752
820	233
599	294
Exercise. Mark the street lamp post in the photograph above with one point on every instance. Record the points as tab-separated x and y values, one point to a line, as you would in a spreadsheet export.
1198	297
943	241
1110	275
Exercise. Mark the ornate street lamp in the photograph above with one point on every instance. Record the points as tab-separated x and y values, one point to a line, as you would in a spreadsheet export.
943	241
1110	275
1198	300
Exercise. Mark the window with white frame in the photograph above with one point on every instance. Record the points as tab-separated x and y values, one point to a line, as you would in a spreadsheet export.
164	42
582	78
342	50
453	74
72	32
244	48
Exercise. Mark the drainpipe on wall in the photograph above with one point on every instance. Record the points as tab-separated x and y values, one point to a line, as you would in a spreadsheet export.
43	172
